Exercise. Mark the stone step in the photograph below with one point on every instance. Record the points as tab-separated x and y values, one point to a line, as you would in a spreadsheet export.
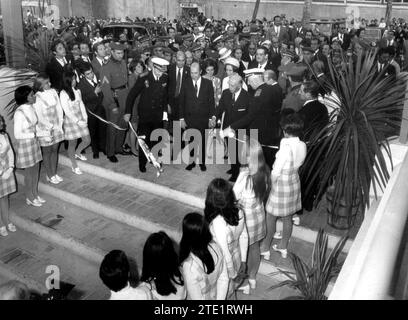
188	190
89	236
26	257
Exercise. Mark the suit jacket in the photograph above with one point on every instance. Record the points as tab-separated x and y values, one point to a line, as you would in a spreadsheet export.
234	110
255	64
197	111
275	59
153	98
90	99
346	40
383	43
246	57
315	117
96	68
282	36
55	71
389	70
263	114
172	77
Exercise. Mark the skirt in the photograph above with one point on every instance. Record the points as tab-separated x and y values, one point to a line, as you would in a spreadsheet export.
57	136
254	219
285	198
28	153
8	186
74	131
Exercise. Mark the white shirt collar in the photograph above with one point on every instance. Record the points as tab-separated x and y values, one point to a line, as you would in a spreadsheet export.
262	66
237	94
308	101
101	61
90	81
62	61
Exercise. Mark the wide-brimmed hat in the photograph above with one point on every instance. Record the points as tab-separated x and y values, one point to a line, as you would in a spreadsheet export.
224	53
232	61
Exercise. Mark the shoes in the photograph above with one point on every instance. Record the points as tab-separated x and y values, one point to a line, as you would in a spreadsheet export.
277	235
96	155
77	171
3	232
266	255
41	200
283	252
229	171
190	166
80	157
11	227
203	167
142	169
126	148
113	159
245	289
58	178
296	220
53	180
34	203
125	153
252	283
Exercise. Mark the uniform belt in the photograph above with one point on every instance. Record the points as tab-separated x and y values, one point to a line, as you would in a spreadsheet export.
120	88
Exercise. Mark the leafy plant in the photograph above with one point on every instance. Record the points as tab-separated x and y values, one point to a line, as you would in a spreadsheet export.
312	281
348	152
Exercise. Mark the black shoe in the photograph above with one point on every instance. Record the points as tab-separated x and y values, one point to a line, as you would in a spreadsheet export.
142	169
96	155
229	171
190	166
126	148
203	167
125	153
113	159
83	152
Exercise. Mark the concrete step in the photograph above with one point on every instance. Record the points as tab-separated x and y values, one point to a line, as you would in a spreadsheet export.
89	236
176	184
25	257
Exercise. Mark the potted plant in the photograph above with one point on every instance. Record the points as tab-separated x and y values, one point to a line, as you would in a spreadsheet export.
347	154
312	281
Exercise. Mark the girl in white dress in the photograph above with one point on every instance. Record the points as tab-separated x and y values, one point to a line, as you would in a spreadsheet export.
75	120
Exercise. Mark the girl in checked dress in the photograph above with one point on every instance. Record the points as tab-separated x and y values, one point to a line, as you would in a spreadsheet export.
75	120
28	151
251	190
285	197
7	180
49	127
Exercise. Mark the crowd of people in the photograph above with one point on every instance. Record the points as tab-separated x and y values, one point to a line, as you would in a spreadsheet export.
271	76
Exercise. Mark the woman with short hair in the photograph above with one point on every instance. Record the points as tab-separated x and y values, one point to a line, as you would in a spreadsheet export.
161	268
27	148
210	69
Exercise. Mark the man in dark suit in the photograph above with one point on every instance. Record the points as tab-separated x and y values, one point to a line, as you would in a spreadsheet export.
261	61
384	68
315	117
197	110
57	65
250	55
343	36
263	115
93	99
233	106
178	74
152	109
275	54
99	60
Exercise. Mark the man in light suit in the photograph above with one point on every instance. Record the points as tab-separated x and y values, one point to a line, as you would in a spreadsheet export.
197	109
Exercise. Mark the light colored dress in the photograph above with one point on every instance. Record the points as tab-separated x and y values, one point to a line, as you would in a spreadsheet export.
75	116
7	186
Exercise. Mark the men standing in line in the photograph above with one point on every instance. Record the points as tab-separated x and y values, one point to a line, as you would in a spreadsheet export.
114	84
197	109
152	110
234	105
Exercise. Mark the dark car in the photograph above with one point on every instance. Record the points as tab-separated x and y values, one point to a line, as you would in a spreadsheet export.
133	30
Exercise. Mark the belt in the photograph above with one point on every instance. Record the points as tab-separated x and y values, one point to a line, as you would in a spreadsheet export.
120	88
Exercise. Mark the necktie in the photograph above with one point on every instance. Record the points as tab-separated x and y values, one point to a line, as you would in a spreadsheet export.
196	88
233	98
178	82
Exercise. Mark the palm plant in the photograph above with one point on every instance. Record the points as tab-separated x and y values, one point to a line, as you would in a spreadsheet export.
312	281
347	154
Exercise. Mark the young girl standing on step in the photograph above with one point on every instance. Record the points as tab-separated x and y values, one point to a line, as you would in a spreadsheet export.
285	197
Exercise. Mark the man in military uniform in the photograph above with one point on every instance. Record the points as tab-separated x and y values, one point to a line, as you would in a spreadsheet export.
187	41
295	74
263	114
114	84
152	109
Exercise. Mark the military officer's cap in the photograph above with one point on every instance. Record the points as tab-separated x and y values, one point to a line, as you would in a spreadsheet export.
159	62
217	39
117	46
200	36
253	72
195	47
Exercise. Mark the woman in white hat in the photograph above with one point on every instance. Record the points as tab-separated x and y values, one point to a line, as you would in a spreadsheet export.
224	54
231	68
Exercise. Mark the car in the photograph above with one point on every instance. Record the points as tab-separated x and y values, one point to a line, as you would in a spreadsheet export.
327	26
152	30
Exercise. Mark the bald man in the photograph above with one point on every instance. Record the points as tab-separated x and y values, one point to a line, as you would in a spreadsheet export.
234	104
197	110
